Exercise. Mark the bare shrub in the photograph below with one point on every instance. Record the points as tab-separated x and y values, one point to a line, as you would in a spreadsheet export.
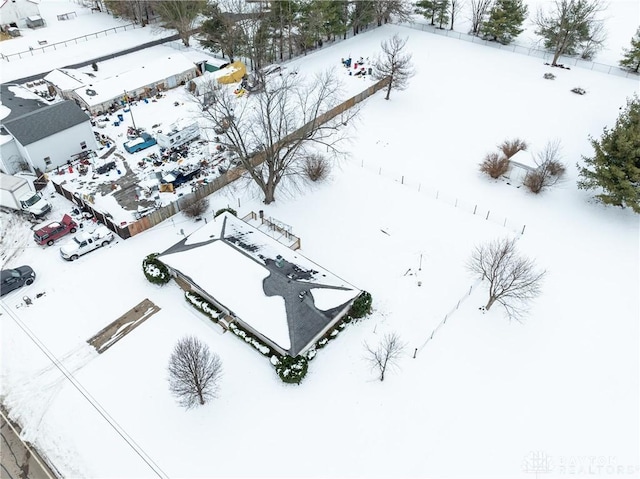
194	208
316	167
511	147
494	165
549	169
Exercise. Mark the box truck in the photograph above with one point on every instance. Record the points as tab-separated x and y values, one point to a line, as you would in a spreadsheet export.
17	194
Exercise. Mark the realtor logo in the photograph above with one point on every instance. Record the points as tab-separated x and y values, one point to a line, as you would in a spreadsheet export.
537	462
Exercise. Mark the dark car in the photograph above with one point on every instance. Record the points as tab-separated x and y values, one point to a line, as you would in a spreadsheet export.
51	232
11	279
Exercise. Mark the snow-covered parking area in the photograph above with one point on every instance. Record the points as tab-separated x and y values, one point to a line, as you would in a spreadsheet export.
556	395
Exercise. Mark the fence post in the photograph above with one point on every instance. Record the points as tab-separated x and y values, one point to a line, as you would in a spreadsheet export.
415	351
402	181
488	215
456	205
474	209
437	193
523	229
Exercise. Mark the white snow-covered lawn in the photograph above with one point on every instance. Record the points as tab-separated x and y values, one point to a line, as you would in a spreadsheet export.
556	395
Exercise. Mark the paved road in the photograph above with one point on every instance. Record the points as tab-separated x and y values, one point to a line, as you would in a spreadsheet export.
18	460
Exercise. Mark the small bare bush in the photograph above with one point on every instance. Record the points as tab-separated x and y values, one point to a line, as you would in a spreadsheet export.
316	168
511	147
549	169
195	208
494	165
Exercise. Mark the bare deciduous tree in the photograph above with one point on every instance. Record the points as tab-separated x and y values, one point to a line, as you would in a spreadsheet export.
479	11
180	15
272	132
454	8
570	25
549	168
386	354
513	279
394	64
194	372
400	10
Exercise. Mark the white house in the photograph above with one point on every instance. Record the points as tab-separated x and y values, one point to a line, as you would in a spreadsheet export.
14	13
46	138
276	294
520	164
144	81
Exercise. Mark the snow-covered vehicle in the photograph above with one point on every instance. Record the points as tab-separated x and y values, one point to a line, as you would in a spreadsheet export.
85	242
145	140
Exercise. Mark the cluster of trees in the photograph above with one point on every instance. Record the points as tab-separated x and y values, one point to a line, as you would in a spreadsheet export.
566	27
261	31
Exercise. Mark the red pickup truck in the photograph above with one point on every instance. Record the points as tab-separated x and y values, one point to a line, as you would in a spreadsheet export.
51	232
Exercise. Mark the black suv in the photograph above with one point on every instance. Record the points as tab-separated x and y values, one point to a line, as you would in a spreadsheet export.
11	279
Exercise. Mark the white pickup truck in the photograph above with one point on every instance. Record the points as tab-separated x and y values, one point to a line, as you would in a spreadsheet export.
87	241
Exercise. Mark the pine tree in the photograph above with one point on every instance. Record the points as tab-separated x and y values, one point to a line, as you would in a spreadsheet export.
615	167
505	21
442	12
631	57
427	8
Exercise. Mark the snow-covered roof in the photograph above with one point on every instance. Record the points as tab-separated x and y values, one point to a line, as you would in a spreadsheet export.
102	91
524	159
279	293
68	79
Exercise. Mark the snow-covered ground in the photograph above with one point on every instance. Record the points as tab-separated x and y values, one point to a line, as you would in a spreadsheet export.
555	396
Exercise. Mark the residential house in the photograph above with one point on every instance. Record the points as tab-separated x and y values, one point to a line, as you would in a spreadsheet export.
279	296
46	138
14	13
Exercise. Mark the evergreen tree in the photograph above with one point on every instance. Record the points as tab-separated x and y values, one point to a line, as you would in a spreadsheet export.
442	12
505	21
631	57
427	8
615	167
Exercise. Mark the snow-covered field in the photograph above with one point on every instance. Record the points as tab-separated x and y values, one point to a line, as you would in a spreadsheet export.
555	396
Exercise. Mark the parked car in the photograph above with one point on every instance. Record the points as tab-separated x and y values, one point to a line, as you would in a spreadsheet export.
85	242
11	279
57	229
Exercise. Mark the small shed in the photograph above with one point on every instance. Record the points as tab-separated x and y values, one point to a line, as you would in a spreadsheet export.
35	21
520	164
